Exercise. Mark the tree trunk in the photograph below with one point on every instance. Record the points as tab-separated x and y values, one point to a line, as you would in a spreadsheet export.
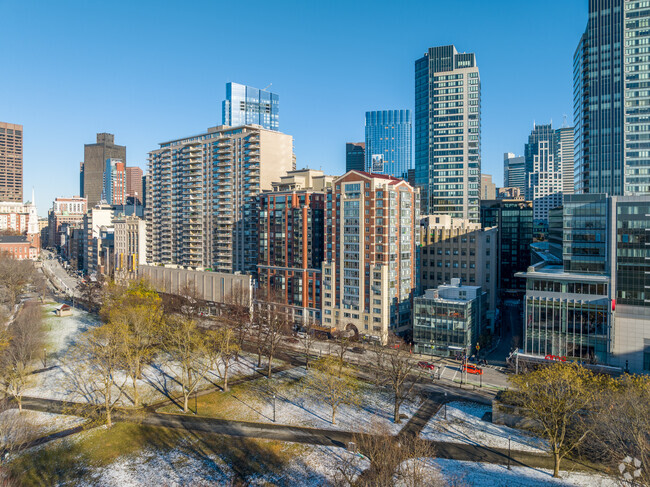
333	415
136	399
396	411
19	399
225	378
186	398
556	466
270	365
109	420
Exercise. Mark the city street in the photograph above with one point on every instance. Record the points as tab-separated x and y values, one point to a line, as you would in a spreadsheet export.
61	278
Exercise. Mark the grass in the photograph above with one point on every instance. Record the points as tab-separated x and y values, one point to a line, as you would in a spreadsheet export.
72	461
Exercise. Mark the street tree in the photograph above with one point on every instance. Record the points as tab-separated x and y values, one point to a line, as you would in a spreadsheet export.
237	312
307	340
188	352
332	384
556	397
273	324
25	342
224	348
397	370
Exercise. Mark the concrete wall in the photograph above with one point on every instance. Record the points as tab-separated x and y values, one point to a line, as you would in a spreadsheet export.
211	286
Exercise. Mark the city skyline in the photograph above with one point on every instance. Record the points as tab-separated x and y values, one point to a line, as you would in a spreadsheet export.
151	108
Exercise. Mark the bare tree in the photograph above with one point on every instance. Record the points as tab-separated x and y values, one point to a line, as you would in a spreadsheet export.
343	346
95	364
332	384
139	308
273	324
224	349
25	342
307	340
237	312
15	275
188	351
397	370
92	292
16	431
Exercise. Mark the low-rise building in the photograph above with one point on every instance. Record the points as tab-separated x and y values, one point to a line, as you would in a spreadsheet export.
130	245
19	247
447	320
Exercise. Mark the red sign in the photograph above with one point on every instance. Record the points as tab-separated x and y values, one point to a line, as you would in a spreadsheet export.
555	358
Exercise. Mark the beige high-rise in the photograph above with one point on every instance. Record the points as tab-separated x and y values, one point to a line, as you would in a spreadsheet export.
11	162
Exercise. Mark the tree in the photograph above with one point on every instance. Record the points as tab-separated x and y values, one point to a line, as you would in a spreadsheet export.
555	397
16	431
394	460
397	370
15	275
272	322
189	353
225	349
332	384
96	362
139	308
343	346
92	292
307	340
237	312
25	342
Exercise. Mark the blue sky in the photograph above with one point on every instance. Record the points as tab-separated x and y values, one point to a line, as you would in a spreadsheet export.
149	71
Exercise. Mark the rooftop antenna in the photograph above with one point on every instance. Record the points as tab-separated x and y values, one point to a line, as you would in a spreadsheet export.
269	85
564	124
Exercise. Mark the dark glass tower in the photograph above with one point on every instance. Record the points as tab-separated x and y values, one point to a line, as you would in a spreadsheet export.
355	156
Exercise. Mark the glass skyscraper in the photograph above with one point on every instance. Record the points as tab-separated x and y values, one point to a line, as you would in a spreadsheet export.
612	101
514	171
245	105
355	156
448	133
388	142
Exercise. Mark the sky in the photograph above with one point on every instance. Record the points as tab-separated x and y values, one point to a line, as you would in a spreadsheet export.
151	71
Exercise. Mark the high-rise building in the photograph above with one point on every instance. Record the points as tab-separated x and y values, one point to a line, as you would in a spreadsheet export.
488	188
610	100
291	242
564	156
595	307
369	271
134	183
91	175
202	206
114	192
514	172
514	218
388	142
448	133
355	156
245	105
543	171
457	249
11	162
130	245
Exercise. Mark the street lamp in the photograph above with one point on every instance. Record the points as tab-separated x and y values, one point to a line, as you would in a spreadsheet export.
274	408
445	406
508	452
44	358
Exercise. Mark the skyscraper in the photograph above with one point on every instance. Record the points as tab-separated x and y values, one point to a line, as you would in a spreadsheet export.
11	162
543	171
564	156
448	132
488	188
611	109
91	176
134	183
388	142
114	192
245	105
202	206
355	156
514	171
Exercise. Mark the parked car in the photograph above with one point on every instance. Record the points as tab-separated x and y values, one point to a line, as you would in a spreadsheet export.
426	365
358	350
472	369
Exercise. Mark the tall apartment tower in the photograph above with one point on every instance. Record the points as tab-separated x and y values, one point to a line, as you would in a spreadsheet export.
388	142
11	162
291	242
514	171
564	156
245	105
114	192
355	156
610	100
91	176
448	133
543	171
202	204
134	183
370	271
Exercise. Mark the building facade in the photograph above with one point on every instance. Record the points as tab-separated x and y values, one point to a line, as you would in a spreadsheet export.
11	162
514	172
245	105
457	249
389	142
610	100
369	271
543	171
95	222
514	219
355	156
564	156
64	211
488	188
448	133
202	207
291	243
447	320
18	247
130	245
134	180
91	175
114	192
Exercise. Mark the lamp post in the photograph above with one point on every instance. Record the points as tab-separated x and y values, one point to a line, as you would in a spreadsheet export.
274	408
508	452
44	358
445	406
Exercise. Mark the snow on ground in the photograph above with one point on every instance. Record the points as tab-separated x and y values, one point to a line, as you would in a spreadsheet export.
474	473
296	405
29	425
62	331
464	425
